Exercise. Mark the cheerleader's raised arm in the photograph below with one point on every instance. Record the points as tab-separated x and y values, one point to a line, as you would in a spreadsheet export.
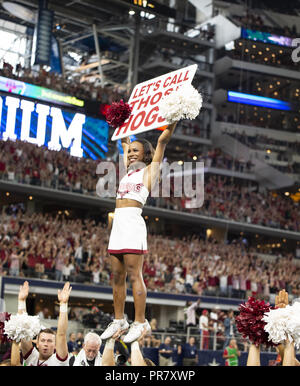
125	145
152	171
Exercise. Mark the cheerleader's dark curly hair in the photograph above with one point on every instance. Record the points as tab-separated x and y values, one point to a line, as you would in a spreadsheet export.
148	150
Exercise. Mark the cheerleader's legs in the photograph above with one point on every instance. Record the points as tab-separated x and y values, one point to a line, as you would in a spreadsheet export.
134	268
132	265
119	285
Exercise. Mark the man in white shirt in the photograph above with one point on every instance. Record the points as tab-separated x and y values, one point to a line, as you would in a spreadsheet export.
191	313
204	332
51	349
78	254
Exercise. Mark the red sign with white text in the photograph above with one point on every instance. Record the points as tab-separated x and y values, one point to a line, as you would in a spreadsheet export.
144	101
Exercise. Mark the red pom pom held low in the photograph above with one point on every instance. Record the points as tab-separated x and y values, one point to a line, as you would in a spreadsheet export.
250	324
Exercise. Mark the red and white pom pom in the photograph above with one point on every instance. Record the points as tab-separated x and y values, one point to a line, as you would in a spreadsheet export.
4	317
185	103
117	113
284	323
250	321
22	326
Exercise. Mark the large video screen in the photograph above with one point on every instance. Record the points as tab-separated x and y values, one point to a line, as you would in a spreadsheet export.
266	37
50	126
21	88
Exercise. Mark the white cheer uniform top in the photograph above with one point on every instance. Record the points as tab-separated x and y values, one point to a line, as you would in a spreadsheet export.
132	186
32	359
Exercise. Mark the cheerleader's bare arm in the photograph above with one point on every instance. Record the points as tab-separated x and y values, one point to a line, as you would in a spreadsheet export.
154	167
125	145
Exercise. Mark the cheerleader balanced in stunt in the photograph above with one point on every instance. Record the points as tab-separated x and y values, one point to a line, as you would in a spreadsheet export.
128	238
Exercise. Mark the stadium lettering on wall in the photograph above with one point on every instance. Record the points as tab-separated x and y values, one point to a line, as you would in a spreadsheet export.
41	124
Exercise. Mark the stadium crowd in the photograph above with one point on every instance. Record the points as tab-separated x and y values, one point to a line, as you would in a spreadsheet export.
55	81
249	116
283	151
253	19
58	248
265	142
279	56
26	163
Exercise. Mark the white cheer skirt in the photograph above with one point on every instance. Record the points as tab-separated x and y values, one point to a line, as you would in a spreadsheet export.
128	233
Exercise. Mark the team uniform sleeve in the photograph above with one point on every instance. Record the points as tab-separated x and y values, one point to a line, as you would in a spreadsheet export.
31	358
57	361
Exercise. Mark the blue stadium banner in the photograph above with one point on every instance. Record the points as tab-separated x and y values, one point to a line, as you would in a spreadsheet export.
28	90
257	100
53	127
266	37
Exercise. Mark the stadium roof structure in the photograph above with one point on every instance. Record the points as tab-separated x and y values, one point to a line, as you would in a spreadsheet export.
77	23
291	7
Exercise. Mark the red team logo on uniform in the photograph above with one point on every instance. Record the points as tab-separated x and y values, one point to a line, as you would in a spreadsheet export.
129	187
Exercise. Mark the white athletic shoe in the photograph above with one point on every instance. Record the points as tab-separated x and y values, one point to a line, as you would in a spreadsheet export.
135	331
113	327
